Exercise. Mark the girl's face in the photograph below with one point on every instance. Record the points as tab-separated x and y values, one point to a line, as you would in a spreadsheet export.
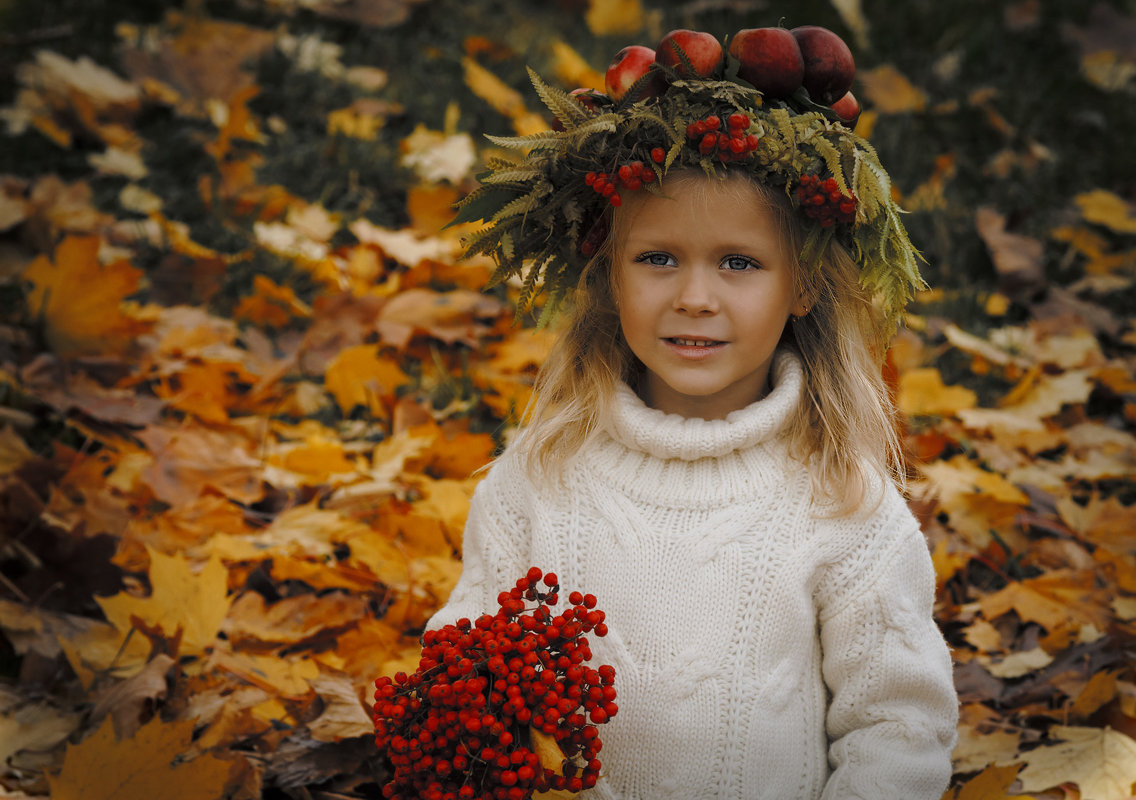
705	285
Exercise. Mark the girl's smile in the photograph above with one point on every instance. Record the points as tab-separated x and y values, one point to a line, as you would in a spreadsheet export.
705	284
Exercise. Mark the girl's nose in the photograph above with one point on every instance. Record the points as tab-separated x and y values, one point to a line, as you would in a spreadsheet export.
695	292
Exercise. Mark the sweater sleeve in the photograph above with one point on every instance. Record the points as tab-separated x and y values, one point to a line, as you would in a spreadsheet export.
495	545
893	710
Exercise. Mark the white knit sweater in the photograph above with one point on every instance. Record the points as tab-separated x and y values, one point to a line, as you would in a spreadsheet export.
760	651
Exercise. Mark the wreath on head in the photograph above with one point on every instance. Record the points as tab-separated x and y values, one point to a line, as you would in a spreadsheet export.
545	199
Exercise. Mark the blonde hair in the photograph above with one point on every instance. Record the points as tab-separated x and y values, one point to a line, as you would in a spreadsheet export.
846	430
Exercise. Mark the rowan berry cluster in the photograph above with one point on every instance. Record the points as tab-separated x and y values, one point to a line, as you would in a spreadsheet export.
823	201
632	175
727	137
462	726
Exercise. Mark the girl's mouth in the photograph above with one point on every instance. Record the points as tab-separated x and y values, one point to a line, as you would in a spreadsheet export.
685	342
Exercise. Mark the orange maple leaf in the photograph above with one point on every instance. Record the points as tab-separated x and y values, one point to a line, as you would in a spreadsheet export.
80	301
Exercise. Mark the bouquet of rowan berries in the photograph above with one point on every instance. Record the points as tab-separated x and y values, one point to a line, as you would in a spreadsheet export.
489	697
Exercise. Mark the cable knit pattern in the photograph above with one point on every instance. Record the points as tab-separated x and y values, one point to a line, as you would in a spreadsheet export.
761	651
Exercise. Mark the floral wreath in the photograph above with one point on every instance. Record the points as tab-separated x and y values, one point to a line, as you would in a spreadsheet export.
545	199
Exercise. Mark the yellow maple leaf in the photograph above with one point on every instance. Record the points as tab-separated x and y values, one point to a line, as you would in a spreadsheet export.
315	460
572	70
80	301
195	603
606	17
360	376
503	97
142	768
922	392
1106	208
890	92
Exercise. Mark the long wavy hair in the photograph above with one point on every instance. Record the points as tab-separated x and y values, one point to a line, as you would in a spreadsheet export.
845	432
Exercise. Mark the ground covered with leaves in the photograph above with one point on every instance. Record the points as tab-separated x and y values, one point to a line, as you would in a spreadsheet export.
246	384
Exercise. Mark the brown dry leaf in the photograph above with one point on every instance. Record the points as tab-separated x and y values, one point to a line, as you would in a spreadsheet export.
922	392
1102	762
80	300
129	701
194	603
374	13
190	461
293	620
361	376
32	726
888	91
1017	258
201	58
343	715
1104	522
144	767
78	392
451	317
1051	600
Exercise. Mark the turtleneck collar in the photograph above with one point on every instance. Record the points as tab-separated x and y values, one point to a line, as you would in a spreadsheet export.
674	461
656	433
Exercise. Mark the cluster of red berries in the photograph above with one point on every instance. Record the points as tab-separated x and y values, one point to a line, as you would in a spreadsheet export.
823	201
727	137
631	175
462	726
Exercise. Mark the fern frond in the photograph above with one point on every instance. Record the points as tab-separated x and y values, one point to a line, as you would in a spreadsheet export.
522	205
545	140
519	174
559	102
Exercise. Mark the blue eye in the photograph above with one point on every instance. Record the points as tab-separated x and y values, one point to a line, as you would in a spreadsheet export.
655	259
740	263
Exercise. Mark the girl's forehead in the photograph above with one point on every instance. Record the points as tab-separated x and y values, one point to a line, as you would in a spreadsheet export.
701	200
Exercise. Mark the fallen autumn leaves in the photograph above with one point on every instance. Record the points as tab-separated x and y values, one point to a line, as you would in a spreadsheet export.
219	528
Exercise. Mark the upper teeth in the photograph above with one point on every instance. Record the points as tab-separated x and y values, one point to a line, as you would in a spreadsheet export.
695	342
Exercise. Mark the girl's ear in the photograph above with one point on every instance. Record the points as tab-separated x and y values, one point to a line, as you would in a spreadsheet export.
803	305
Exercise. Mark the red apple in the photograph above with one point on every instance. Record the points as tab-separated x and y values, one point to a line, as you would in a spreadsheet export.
829	67
629	65
770	60
703	51
848	109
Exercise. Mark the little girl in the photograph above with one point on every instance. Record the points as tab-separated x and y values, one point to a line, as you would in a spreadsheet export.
713	451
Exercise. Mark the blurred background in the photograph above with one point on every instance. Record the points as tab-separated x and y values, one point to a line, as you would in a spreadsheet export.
246	383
